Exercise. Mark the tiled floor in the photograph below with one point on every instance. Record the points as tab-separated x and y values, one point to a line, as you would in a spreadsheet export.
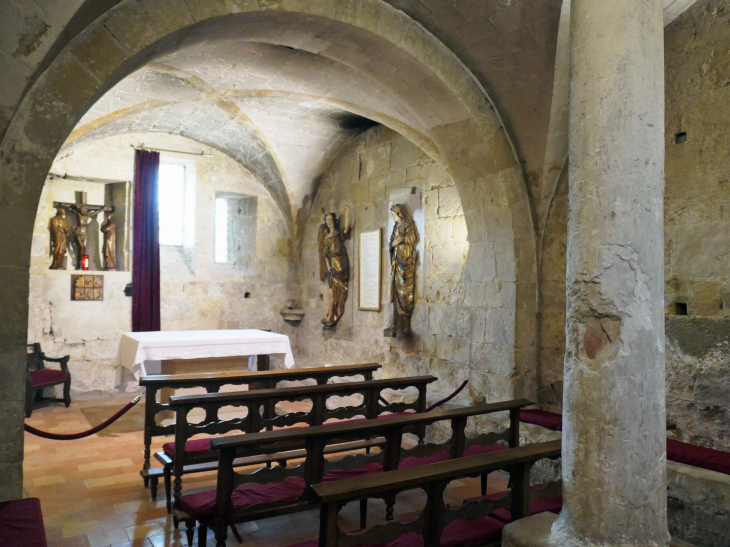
92	495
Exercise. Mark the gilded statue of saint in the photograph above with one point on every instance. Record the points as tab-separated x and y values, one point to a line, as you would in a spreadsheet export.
334	265
109	249
403	259
59	235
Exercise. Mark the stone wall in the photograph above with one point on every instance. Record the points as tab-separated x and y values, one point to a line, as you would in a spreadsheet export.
463	326
697	223
196	293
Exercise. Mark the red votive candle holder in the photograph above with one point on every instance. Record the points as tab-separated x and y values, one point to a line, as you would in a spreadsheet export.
85	262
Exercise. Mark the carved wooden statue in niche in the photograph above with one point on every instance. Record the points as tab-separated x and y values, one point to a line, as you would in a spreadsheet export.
334	265
403	259
109	250
85	213
59	236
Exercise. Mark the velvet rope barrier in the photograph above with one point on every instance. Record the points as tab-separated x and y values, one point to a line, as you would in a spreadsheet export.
447	399
82	434
439	403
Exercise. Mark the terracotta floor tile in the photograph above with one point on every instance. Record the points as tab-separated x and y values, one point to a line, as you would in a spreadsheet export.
145	531
174	540
102	481
53	533
105	465
81	528
118	521
108	538
77	541
134	543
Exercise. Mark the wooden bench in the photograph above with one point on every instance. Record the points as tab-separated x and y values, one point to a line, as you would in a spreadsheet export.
184	456
21	523
477	521
281	490
212	383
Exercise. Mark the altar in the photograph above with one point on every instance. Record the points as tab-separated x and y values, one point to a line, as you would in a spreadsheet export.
184	352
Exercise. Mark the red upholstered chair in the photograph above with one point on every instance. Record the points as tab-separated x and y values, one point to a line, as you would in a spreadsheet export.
39	377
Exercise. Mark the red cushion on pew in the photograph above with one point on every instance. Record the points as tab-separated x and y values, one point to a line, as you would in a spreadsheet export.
551	420
456	534
46	376
21	524
461	532
380	416
411	539
413	461
540	505
201	506
340	474
407	540
394	414
698	456
477	449
196	446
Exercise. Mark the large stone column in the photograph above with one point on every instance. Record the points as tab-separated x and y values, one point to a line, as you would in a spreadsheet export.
614	438
613	465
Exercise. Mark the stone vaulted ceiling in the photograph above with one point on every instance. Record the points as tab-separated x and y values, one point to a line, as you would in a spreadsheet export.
284	113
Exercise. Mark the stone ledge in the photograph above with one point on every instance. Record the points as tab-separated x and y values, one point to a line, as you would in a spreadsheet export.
532	531
535	531
697	505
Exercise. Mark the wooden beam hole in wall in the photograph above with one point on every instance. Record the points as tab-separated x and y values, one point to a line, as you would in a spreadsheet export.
680	308
680	138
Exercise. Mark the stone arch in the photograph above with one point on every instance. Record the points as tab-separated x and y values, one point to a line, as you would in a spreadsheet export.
250	149
438	93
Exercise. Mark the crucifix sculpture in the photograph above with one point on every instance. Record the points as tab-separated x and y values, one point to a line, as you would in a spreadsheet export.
85	213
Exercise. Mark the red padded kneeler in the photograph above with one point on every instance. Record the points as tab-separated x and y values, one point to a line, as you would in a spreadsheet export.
197	446
551	420
340	474
477	449
412	461
201	506
698	456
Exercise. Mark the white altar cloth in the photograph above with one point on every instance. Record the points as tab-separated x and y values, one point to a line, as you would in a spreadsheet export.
137	347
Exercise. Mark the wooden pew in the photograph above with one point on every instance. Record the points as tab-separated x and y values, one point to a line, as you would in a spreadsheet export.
212	383
182	461
438	525
282	490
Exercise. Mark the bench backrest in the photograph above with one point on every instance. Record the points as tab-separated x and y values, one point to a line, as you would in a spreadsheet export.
257	420
433	479
212	382
316	438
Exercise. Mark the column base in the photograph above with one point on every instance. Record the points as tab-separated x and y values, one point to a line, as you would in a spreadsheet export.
532	531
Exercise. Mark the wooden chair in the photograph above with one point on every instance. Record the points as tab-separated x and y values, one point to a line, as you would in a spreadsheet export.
39	378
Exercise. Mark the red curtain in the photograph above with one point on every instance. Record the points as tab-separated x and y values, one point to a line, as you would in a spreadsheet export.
146	251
